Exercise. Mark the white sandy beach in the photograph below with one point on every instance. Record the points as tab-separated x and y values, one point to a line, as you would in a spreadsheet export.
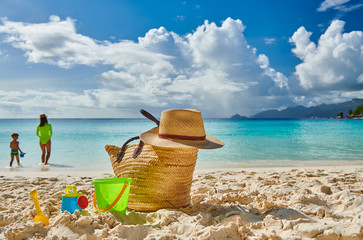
252	203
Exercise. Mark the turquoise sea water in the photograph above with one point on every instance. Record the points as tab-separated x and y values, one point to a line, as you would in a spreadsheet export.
78	144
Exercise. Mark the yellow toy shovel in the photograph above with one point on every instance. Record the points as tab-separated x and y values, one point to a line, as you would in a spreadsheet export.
39	217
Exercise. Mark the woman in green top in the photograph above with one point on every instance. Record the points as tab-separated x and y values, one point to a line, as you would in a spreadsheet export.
44	132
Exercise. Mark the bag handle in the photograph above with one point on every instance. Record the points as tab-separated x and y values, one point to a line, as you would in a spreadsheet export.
113	203
122	151
138	149
149	116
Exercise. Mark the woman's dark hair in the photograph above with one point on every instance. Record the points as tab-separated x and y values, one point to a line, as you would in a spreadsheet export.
43	121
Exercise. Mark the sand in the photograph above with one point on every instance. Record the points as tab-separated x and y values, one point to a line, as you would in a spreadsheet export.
274	203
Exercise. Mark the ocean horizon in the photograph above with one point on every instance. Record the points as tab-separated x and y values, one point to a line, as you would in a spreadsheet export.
78	143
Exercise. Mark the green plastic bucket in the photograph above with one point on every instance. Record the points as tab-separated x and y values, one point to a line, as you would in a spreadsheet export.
108	190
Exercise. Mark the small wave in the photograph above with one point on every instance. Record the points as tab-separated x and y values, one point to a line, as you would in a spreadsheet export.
54	165
15	168
59	165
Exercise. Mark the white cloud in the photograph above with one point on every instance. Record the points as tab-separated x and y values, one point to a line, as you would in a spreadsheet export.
90	103
213	69
334	64
58	43
346	9
280	80
332	97
180	17
331	4
270	40
3	55
360	78
339	5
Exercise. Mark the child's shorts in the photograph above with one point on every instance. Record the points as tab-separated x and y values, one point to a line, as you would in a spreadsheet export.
14	152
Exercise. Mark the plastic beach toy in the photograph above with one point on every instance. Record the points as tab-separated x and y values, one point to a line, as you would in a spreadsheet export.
111	194
22	154
73	200
39	217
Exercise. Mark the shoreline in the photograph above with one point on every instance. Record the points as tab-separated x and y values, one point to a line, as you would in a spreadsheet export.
203	167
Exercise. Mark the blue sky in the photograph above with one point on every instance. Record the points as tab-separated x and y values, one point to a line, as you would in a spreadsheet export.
90	58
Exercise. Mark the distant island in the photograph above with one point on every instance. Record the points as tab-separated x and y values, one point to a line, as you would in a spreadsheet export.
356	113
353	108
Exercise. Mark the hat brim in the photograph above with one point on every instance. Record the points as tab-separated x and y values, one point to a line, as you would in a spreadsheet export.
152	137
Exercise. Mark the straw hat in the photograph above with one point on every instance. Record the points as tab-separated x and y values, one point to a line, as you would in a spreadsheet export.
181	128
42	116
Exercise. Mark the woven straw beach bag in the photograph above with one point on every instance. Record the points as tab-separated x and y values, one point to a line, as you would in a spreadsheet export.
162	164
162	177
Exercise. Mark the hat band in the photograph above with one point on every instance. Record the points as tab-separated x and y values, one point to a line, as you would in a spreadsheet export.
181	137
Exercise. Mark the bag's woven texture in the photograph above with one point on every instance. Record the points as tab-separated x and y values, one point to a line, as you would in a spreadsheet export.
162	177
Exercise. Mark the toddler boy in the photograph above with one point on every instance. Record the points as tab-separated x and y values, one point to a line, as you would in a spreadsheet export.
14	146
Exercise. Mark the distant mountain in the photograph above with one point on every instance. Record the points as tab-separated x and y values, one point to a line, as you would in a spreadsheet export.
320	111
238	117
